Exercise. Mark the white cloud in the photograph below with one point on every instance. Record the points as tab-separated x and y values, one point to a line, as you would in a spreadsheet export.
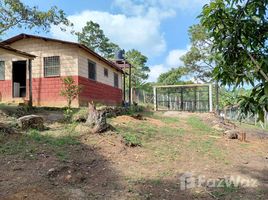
142	33
172	60
156	70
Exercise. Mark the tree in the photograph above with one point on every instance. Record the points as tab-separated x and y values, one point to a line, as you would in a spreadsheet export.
94	38
173	76
140	71
239	30
70	91
16	14
200	60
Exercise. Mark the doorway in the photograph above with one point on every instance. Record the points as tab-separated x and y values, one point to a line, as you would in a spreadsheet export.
19	79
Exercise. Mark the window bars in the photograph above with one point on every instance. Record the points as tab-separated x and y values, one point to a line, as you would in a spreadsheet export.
51	66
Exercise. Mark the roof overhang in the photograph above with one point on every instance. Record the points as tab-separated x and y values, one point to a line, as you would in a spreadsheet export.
24	36
16	52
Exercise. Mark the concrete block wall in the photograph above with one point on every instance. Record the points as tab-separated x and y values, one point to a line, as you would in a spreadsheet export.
73	62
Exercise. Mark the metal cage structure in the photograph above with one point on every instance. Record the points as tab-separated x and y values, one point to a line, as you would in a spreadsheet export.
191	98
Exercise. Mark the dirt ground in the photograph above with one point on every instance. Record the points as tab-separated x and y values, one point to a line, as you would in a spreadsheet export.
63	164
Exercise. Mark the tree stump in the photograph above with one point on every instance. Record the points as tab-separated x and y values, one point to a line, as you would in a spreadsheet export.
96	120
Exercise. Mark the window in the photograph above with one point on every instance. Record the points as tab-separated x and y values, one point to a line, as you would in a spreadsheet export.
91	70
2	70
116	83
52	66
106	72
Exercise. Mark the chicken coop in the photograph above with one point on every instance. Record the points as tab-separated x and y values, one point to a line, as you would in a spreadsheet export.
192	98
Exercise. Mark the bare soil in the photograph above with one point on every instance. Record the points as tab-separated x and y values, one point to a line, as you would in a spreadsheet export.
102	167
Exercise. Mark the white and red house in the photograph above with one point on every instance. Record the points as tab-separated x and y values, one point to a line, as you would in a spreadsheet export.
50	60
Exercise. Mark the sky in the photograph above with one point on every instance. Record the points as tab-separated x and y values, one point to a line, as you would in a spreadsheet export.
157	28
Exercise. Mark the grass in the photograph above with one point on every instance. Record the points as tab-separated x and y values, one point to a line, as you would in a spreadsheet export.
131	140
197	124
29	144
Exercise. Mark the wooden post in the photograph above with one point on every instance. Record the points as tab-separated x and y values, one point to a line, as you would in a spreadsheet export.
124	85
30	83
210	99
130	89
182	99
155	99
195	97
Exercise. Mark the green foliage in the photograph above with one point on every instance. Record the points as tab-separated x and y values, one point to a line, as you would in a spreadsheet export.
14	13
140	71
131	140
239	32
172	77
94	38
231	97
70	91
200	60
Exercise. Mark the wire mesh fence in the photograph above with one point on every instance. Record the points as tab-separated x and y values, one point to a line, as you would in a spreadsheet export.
234	114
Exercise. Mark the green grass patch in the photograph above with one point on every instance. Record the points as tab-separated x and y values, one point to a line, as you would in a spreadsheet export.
132	140
198	124
207	147
30	144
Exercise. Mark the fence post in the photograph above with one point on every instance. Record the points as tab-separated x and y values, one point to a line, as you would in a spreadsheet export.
210	98
155	99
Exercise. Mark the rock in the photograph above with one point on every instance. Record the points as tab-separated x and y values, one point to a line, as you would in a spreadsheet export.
31	121
232	134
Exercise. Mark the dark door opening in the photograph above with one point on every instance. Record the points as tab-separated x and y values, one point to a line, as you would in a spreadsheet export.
19	79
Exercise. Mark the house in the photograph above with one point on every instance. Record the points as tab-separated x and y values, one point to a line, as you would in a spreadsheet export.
45	62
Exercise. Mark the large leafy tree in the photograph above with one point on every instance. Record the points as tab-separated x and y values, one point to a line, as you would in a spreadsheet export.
173	76
140	70
239	29
14	14
94	38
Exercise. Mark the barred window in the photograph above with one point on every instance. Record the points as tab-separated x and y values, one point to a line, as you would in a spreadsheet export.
51	66
116	82
91	70
106	72
2	70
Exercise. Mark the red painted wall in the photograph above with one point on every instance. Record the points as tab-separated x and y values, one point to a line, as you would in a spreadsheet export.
5	90
98	92
46	92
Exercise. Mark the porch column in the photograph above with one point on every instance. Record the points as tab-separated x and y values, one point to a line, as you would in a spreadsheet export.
30	83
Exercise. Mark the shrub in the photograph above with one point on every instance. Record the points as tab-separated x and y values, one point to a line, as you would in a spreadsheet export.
131	140
70	91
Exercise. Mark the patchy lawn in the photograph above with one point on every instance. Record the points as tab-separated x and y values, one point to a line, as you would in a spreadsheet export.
140	159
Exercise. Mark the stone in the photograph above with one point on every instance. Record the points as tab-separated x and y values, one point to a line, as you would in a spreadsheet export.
31	121
232	134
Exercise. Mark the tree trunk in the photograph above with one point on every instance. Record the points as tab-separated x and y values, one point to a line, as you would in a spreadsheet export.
96	119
